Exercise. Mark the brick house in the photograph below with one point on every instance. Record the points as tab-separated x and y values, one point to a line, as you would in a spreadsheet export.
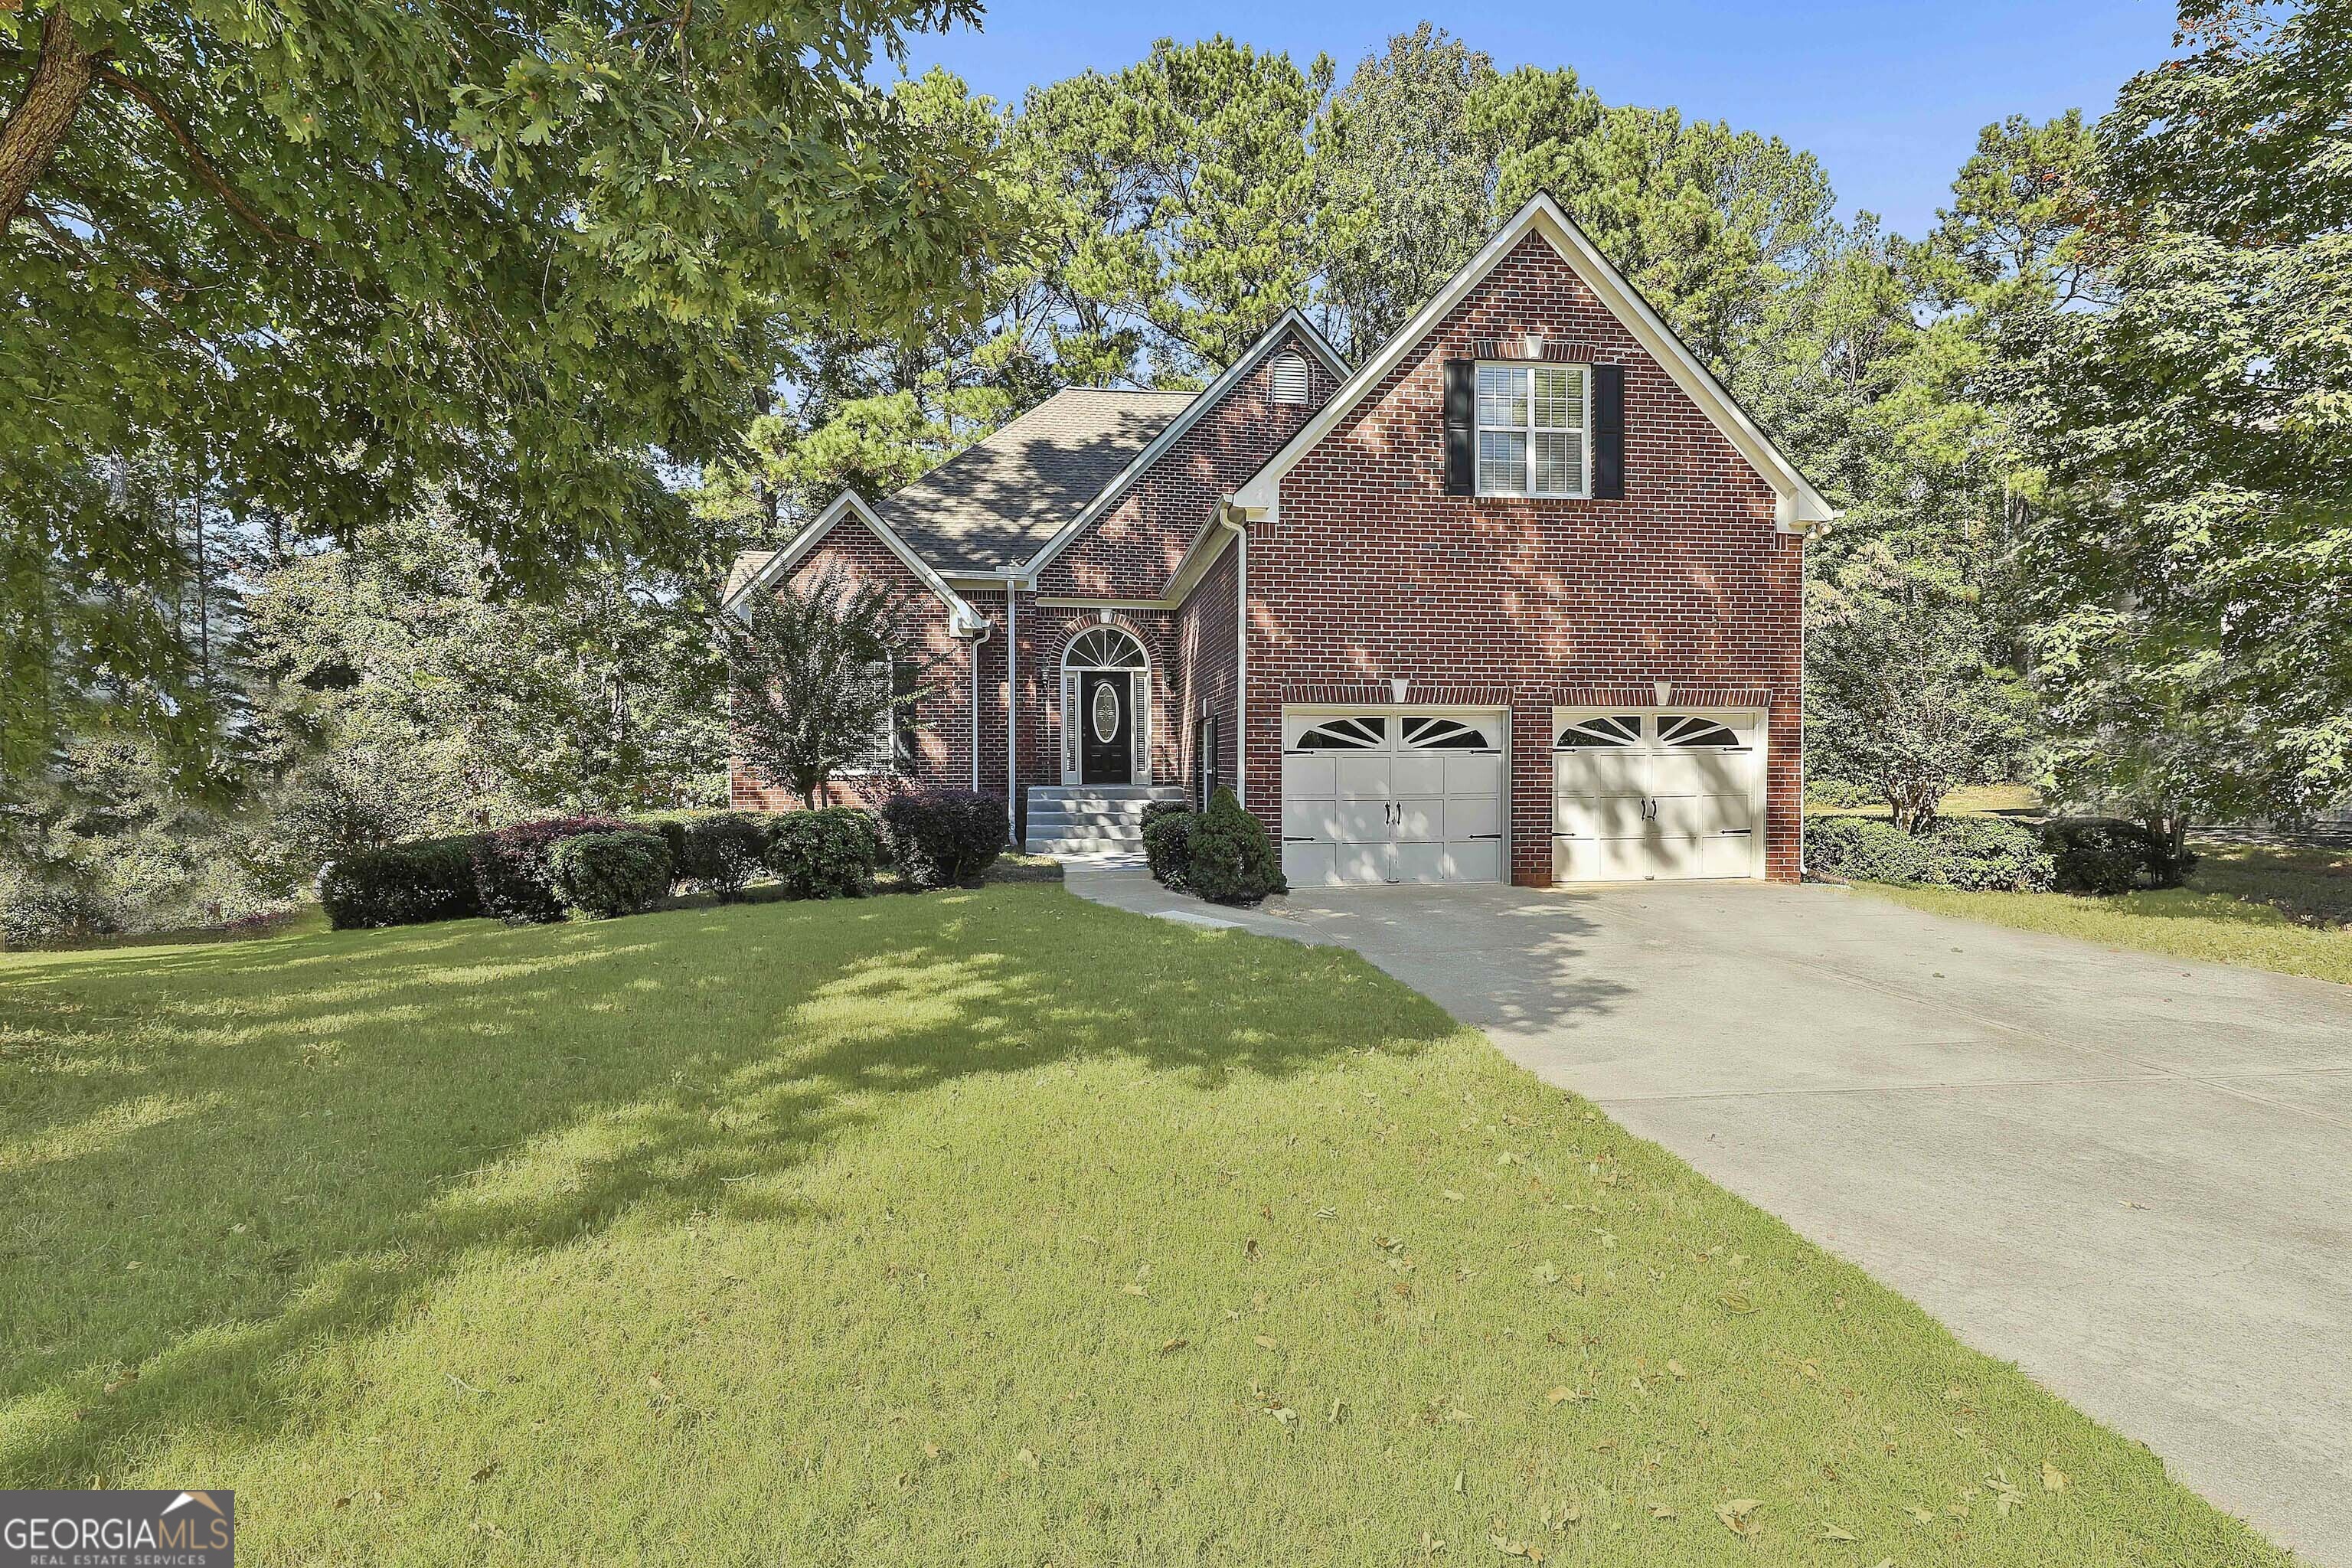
1519	597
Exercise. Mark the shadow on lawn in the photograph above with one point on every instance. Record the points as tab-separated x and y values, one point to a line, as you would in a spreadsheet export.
216	1160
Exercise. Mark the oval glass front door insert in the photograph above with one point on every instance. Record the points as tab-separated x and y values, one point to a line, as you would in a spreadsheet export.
1106	713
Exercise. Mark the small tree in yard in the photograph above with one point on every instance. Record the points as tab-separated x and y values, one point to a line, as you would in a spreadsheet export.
818	672
1902	693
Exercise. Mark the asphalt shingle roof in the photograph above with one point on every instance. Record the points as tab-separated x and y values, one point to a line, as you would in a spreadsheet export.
997	502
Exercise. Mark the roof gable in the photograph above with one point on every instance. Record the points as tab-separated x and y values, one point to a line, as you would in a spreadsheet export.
1290	327
753	575
1799	506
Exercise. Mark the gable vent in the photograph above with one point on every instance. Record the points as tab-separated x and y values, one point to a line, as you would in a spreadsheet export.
1289	377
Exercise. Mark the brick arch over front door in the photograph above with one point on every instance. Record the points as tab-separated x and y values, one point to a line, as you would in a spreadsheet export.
1105	708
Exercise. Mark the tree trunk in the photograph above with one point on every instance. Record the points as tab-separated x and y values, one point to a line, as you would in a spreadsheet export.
36	127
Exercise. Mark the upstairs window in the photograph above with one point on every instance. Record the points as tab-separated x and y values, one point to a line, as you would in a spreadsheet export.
1289	375
1532	429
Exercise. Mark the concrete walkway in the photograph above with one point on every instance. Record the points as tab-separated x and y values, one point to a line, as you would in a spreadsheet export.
2130	1174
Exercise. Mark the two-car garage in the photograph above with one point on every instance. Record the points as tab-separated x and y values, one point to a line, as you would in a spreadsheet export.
1421	795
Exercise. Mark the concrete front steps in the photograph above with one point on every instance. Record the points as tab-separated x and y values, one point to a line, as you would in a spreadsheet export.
1092	819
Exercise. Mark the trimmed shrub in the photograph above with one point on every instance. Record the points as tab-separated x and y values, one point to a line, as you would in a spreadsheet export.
511	867
672	831
1167	844
1987	854
600	875
1864	850
33	912
403	884
2108	855
1981	854
720	853
1841	795
939	837
1231	860
826	854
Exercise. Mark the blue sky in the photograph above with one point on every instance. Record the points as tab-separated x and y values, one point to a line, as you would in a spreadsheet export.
1889	95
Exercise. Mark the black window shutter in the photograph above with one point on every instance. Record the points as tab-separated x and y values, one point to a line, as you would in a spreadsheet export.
1608	432
1461	428
902	718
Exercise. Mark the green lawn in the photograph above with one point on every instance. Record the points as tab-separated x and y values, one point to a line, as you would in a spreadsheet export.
988	1227
2283	909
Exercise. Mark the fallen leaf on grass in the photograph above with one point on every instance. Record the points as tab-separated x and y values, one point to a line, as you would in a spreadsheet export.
1268	1342
1675	1368
1561	1396
486	1471
1834	1532
1169	1347
1026	1457
1134	1289
1515	1549
1923	1515
1660	1510
2053	1480
1738	1516
1736	1301
1453	1197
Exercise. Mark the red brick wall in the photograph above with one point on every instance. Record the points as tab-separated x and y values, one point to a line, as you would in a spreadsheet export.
1371	572
942	721
1208	660
1130	550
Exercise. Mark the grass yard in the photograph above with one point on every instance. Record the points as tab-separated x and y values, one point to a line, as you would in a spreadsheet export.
2277	909
988	1227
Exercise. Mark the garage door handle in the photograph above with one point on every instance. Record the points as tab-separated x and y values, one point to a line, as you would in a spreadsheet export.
1738	832
1485	835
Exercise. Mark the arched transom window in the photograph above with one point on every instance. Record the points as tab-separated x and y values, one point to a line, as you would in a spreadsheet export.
1602	732
1104	647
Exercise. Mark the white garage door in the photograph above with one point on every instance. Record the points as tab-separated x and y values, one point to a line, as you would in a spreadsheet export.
1392	798
1642	794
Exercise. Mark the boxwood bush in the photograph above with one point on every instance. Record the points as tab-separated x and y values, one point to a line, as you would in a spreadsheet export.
939	837
403	884
2108	855
826	854
721	853
600	875
511	869
1231	859
1168	842
1981	854
671	829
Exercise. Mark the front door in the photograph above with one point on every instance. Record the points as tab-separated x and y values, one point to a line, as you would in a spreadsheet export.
1107	736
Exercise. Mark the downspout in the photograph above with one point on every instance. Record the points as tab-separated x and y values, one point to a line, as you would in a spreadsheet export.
1241	650
1013	711
979	635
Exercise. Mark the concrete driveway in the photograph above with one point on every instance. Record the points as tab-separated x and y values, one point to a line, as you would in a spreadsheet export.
2131	1175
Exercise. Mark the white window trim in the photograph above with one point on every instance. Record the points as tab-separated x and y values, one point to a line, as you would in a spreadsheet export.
865	768
1139	696
1583	430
